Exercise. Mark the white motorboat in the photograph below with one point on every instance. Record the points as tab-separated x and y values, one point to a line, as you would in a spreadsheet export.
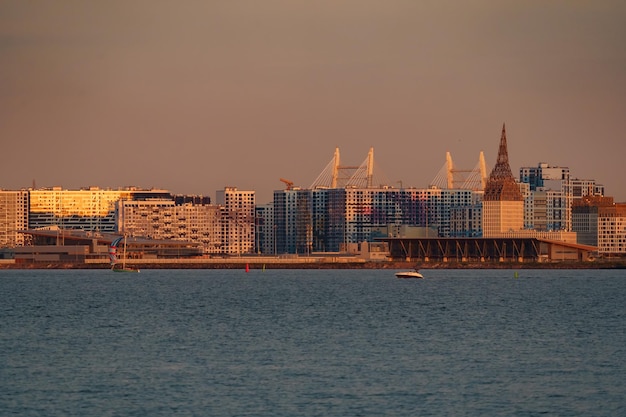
409	274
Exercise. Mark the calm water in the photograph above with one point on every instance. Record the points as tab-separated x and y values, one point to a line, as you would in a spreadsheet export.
312	343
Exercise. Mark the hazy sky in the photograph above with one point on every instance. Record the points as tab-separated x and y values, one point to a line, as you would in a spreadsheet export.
192	96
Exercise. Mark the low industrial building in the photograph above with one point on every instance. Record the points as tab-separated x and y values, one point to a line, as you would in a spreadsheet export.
59	245
487	250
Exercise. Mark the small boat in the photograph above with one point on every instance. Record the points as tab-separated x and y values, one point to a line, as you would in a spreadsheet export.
115	265
409	274
125	269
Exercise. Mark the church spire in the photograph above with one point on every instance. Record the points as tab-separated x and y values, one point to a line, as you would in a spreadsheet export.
501	185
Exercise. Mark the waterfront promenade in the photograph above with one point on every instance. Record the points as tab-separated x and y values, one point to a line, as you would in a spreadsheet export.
253	263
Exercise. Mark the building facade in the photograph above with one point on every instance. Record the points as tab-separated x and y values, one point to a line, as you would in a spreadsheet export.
265	230
612	230
13	217
585	217
238	226
329	220
88	209
583	188
548	200
503	203
172	219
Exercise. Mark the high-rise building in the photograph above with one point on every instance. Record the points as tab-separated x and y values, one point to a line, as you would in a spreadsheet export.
13	217
503	203
548	200
293	221
265	230
329	219
237	220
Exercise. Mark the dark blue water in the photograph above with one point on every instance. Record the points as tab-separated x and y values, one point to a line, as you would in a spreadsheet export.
312	343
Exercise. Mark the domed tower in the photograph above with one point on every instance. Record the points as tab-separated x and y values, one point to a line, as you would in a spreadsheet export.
503	202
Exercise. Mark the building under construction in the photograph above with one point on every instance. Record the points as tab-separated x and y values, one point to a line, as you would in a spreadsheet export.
349	204
354	204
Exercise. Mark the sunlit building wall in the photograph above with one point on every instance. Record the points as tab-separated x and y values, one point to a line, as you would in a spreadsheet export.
146	218
165	219
200	223
237	220
612	230
90	209
13	217
503	202
501	217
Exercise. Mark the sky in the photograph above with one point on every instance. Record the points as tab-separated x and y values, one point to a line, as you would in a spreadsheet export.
193	96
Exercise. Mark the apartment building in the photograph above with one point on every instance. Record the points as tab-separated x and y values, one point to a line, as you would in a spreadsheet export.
612	230
585	217
328	220
88	209
237	220
265	230
13	217
177	219
548	198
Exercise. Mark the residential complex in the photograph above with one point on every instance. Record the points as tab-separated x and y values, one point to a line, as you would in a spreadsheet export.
156	214
327	220
89	209
343	207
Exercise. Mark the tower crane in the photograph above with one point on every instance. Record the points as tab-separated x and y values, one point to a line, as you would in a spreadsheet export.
288	183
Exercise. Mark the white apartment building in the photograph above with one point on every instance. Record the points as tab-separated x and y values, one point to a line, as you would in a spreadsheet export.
583	188
164	219
237	220
547	198
13	217
145	218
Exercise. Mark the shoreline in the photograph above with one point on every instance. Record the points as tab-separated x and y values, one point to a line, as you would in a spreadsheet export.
621	264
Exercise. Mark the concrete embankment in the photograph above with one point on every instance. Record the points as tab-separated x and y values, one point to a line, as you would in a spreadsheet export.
295	264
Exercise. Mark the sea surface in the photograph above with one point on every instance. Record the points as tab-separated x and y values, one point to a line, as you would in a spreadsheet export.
312	343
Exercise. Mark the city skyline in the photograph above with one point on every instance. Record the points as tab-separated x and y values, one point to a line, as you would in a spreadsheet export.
194	97
253	189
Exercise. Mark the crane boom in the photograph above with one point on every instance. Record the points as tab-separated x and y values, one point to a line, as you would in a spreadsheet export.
288	183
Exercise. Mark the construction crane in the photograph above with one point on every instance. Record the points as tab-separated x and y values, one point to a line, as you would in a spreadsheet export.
288	183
